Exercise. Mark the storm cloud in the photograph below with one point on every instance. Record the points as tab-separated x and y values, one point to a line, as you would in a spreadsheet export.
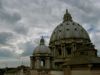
23	22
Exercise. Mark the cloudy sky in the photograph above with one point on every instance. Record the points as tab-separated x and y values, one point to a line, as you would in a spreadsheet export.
23	22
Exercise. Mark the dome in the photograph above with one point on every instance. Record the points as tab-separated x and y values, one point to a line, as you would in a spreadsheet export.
69	29
42	48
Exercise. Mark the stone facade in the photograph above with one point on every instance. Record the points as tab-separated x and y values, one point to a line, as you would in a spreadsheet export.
21	70
72	52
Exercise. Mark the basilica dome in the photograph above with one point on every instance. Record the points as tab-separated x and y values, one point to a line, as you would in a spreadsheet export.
42	48
68	29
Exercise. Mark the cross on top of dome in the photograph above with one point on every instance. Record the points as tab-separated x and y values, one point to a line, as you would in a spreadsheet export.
67	16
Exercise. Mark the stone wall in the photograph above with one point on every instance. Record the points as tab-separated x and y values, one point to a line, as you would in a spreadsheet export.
33	72
80	72
57	73
12	73
85	72
95	72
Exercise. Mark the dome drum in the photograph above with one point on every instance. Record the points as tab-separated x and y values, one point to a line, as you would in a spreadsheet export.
68	40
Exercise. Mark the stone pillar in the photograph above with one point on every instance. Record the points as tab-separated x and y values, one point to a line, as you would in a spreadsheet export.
37	63
67	70
54	51
90	66
32	63
73	48
48	62
64	48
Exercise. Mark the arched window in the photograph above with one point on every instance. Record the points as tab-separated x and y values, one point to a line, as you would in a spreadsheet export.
42	63
59	51
68	50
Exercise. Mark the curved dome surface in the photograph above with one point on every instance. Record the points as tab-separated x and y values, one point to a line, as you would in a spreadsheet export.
42	48
69	29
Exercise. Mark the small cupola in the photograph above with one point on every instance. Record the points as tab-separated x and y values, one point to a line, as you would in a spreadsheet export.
42	48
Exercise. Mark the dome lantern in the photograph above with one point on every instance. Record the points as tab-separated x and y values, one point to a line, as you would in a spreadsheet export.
67	16
42	41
